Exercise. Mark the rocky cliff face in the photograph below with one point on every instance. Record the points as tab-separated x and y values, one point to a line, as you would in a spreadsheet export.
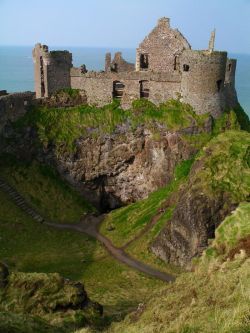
118	169
215	188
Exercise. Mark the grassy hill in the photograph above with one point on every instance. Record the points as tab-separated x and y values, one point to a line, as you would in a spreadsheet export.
214	298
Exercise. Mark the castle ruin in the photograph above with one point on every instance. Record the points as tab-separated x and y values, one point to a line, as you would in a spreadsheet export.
165	68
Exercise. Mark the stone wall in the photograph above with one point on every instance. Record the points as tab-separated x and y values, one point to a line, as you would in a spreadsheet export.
229	88
163	46
203	77
52	70
14	106
97	86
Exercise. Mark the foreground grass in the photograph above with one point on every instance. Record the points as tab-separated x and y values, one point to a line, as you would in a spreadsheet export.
42	187
214	298
31	247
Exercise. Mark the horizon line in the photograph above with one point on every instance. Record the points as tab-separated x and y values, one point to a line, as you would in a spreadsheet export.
99	47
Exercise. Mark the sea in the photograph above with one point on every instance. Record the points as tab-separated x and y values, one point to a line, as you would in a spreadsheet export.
16	67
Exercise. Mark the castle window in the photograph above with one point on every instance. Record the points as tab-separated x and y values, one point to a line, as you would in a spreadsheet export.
185	68
219	82
144	89
42	77
176	62
118	88
114	67
144	61
229	67
25	103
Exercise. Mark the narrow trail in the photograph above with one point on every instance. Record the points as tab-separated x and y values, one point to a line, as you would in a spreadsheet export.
89	227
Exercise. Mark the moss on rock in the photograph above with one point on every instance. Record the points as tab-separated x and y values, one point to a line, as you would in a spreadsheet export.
50	297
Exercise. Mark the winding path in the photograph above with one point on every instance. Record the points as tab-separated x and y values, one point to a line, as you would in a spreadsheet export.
89	227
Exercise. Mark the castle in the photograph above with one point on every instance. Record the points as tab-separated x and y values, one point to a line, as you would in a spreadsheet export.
166	67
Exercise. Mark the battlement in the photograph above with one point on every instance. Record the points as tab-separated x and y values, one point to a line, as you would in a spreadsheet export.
165	67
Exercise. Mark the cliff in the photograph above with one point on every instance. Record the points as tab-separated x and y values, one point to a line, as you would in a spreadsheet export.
215	187
114	157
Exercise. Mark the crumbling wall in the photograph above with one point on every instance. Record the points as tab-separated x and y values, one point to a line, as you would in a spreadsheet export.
118	64
52	70
14	106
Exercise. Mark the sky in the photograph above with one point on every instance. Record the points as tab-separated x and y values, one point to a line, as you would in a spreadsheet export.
123	23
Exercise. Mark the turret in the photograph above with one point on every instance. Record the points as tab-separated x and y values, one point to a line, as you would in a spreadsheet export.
52	70
203	78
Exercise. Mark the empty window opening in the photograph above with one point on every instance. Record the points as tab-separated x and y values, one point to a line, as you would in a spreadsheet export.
219	82
144	89
144	61
42	77
186	68
118	89
114	67
11	105
176	63
229	67
25	103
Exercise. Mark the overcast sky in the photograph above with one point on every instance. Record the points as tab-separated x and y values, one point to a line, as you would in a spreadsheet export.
123	23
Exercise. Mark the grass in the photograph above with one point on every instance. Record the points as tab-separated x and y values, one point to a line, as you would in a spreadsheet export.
206	301
125	224
234	228
129	221
37	248
214	298
64	126
226	168
235	119
43	188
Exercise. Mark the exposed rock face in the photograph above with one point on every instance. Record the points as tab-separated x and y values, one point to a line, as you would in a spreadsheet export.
194	222
121	168
214	189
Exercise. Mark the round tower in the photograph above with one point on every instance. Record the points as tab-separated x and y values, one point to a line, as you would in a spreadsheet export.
203	79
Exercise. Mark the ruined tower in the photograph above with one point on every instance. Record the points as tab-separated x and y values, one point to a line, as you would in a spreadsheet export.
212	41
52	70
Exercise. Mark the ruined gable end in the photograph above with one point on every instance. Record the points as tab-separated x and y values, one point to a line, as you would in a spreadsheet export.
160	50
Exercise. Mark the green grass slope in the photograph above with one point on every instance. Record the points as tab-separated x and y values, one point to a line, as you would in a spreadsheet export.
44	190
215	298
31	247
124	225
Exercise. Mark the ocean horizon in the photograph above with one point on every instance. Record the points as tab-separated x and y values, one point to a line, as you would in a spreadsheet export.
16	67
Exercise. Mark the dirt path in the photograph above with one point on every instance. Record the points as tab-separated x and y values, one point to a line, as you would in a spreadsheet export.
89	226
91	229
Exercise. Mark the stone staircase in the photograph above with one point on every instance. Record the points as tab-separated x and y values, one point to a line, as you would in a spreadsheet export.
20	201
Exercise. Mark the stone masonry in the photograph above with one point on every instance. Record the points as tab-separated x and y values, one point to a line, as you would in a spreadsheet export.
166	67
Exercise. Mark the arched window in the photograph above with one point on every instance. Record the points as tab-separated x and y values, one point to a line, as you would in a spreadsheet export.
144	89
185	68
144	61
118	88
